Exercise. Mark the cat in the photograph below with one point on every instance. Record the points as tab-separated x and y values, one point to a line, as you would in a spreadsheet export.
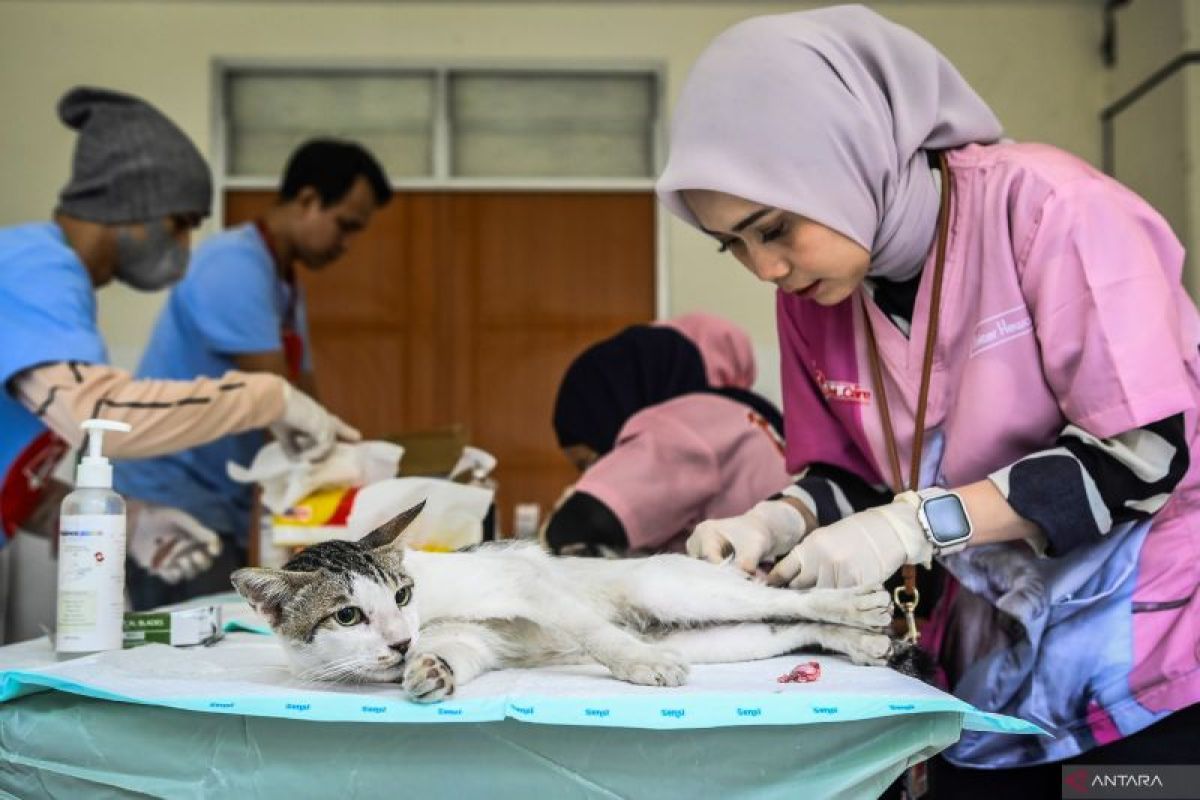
375	611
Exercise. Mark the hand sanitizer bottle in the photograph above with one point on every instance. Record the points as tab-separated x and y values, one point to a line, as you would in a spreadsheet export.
91	554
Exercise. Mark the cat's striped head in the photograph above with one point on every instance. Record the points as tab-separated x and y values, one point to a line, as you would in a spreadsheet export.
342	610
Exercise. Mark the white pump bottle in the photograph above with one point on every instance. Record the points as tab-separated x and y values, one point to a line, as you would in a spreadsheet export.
91	553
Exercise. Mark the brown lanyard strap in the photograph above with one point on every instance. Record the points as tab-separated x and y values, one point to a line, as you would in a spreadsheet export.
885	417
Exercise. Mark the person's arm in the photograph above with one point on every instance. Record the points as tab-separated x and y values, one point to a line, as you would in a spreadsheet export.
823	495
174	415
1077	491
993	519
166	542
165	415
1054	500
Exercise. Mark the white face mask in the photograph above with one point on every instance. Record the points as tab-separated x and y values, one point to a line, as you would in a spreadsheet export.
152	263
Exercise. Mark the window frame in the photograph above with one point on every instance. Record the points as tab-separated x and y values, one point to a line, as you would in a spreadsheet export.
223	69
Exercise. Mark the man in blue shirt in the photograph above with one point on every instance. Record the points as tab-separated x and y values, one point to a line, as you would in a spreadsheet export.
138	188
239	307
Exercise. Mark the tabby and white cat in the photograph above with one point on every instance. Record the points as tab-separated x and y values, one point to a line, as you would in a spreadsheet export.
373	610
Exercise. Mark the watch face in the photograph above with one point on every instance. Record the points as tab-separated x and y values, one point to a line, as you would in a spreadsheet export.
948	521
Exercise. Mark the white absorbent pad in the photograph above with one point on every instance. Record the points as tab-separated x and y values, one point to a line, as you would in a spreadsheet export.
246	674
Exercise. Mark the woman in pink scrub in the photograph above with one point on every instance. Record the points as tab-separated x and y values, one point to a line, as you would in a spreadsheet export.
661	421
1008	315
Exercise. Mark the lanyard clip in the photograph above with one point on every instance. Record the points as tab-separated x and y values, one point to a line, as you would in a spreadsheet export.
909	607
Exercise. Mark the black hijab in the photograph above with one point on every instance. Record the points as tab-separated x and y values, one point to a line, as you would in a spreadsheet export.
641	366
612	380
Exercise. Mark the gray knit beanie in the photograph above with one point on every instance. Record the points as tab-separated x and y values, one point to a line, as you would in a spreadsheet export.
132	164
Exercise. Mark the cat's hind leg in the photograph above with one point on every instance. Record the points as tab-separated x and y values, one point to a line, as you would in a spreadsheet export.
448	655
750	641
627	657
681	590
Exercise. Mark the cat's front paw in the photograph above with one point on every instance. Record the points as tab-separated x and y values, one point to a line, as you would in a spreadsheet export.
658	667
428	679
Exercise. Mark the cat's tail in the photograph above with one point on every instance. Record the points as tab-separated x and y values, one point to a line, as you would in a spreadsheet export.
909	659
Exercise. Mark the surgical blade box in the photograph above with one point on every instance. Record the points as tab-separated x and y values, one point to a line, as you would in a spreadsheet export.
188	626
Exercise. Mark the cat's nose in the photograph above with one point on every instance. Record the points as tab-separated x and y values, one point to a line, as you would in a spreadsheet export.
400	647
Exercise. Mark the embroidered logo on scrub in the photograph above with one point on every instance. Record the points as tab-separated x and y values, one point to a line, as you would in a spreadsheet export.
845	391
1000	328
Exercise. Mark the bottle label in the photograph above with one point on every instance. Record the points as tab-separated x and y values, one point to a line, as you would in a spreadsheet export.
91	583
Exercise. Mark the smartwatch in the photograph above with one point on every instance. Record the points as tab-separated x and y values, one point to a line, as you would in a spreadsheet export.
944	519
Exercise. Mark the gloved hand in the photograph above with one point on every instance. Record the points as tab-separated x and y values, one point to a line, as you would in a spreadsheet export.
862	549
168	543
306	431
771	528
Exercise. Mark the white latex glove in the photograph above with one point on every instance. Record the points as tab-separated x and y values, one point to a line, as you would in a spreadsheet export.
306	431
771	528
168	543
860	550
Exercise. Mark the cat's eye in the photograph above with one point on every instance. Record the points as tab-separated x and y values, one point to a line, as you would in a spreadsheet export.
350	615
403	595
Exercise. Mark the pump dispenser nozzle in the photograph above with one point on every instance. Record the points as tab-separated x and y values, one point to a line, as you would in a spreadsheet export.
95	471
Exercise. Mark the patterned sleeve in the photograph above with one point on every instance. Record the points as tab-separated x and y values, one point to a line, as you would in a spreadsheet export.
1078	490
166	416
832	493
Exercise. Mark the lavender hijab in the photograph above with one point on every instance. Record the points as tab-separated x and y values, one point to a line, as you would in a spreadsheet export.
826	114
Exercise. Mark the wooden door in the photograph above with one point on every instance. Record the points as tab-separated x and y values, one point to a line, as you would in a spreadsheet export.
467	307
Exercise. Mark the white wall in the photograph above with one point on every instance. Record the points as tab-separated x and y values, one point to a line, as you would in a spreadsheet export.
1037	63
1157	138
1150	137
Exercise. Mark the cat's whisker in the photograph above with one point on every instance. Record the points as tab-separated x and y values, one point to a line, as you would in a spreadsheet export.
342	669
332	670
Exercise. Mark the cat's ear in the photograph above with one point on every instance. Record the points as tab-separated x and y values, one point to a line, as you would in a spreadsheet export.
388	532
268	589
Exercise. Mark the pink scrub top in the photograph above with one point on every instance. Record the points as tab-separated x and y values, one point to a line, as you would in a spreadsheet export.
678	463
1062	303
